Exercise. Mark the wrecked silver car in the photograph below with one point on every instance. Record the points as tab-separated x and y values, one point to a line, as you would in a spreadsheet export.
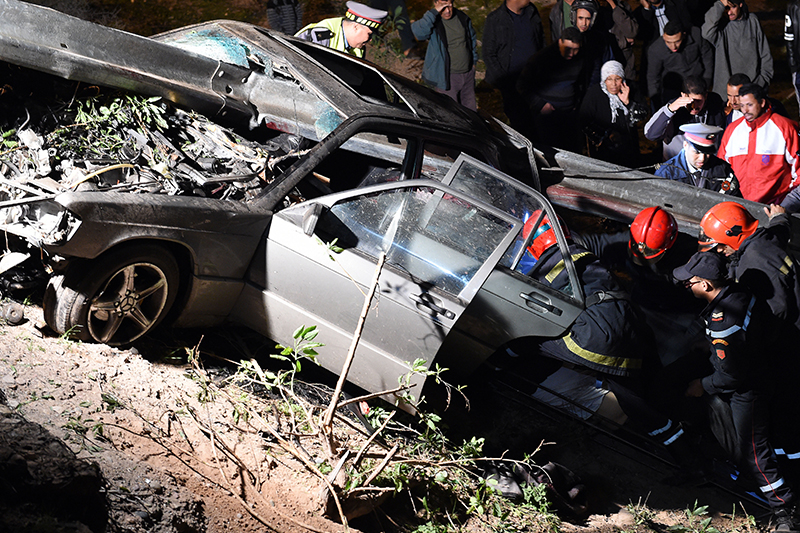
143	210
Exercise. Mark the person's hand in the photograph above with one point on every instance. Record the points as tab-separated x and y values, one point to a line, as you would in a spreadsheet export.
439	5
547	109
695	389
683	101
645	4
774	210
625	93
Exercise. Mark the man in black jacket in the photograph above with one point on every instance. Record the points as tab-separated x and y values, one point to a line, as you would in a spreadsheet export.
740	380
512	34
552	85
680	53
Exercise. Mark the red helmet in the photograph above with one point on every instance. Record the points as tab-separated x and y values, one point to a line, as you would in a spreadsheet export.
726	223
544	237
653	232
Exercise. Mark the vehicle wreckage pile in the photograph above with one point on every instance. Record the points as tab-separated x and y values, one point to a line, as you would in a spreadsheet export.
128	143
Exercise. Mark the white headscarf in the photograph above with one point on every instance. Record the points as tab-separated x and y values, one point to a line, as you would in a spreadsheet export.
613	68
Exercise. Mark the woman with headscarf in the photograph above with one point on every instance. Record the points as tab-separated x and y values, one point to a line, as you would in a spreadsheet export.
608	117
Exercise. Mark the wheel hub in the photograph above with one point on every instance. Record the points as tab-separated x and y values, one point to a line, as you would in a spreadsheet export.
127	303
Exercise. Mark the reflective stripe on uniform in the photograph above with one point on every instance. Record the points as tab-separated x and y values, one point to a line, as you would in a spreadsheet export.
674	437
787	265
600	359
558	268
790	456
733	329
769	487
661	430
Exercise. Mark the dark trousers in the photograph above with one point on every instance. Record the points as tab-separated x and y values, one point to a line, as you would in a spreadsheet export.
748	442
629	393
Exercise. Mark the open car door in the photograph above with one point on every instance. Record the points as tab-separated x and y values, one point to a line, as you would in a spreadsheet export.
440	244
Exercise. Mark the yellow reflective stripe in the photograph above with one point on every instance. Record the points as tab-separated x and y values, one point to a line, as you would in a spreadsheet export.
605	360
786	266
559	267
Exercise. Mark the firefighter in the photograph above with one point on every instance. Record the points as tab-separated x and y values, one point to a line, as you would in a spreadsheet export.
759	261
350	33
647	253
607	338
734	329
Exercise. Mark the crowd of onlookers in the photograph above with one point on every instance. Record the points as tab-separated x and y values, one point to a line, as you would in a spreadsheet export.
705	68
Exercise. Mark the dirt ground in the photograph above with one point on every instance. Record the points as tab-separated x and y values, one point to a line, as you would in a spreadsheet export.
94	438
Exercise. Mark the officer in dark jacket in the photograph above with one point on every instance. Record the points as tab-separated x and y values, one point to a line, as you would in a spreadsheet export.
608	337
734	330
697	165
760	262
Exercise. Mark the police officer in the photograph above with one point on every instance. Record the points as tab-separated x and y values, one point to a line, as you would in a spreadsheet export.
760	262
350	33
734	330
696	164
607	337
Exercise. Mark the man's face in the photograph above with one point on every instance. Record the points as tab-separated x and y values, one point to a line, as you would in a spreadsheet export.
568	49
750	107
445	7
698	102
695	158
583	19
517	5
359	36
673	42
695	285
733	97
734	11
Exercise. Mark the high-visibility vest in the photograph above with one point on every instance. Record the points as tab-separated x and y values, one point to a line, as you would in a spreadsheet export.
329	32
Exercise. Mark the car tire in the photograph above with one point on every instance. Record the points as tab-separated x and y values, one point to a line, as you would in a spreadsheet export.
115	299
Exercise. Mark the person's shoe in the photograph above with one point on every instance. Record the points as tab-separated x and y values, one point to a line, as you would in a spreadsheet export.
782	521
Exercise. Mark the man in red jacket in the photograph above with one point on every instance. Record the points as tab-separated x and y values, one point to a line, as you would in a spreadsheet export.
762	147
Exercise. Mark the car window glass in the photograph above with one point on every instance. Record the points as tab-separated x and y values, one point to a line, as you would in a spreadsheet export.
487	184
436	238
437	159
365	159
367	82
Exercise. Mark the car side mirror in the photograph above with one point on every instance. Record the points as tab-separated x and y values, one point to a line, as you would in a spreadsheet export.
311	217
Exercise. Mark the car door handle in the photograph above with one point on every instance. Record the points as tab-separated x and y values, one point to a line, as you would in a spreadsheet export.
428	302
531	301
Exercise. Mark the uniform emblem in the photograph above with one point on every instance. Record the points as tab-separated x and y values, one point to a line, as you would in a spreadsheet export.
765	160
720	353
717	316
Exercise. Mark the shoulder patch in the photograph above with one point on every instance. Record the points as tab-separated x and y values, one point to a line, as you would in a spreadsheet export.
322	34
720	353
720	341
717	316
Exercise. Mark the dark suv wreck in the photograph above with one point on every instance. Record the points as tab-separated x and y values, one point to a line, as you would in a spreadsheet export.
271	208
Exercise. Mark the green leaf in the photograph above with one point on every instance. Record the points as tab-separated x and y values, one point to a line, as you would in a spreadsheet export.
298	332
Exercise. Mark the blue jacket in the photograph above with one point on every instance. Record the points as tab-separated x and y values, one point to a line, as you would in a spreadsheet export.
436	71
716	175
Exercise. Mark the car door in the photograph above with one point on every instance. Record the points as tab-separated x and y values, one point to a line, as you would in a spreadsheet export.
440	245
510	304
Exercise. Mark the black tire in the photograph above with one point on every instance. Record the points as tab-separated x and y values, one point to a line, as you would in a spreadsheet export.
115	299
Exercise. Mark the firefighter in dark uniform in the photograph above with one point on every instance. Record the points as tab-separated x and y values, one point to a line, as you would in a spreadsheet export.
759	261
608	337
647	253
735	324
350	33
